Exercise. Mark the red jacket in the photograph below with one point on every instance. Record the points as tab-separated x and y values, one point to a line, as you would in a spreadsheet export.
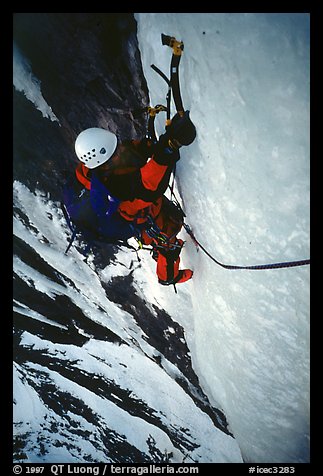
138	181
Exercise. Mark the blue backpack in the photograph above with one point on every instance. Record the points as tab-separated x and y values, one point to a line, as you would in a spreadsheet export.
93	214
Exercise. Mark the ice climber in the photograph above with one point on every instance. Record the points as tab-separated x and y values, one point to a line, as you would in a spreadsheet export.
118	192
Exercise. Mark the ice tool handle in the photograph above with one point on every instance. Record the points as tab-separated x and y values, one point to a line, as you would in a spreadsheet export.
178	48
173	86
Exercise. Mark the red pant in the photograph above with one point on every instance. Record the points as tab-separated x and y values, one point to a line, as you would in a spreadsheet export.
167	246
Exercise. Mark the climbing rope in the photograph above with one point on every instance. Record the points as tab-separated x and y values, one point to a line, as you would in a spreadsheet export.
287	264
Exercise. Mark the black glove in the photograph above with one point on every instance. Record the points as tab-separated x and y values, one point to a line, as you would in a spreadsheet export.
165	152
181	131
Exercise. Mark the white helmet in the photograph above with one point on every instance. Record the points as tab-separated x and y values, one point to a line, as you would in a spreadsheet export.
95	146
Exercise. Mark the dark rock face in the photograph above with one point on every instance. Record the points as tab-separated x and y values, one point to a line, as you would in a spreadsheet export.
91	76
